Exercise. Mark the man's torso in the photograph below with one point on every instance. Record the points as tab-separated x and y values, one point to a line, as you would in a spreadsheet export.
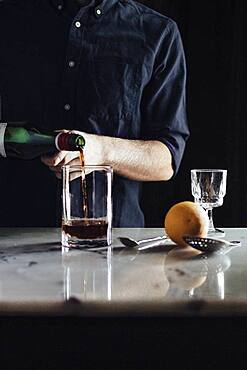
73	67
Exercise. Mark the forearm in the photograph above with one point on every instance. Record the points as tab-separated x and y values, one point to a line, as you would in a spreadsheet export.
136	159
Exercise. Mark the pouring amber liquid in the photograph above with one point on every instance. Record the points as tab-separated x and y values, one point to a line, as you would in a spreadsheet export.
85	228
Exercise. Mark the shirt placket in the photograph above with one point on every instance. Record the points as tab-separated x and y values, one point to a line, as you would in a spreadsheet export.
71	70
84	20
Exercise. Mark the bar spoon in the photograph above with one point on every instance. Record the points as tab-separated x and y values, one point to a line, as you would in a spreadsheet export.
211	245
143	243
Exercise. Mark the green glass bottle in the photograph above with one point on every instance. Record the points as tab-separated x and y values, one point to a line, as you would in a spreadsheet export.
20	140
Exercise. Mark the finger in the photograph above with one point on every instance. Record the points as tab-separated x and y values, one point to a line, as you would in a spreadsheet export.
55	159
58	168
55	169
72	161
77	132
73	175
58	175
62	130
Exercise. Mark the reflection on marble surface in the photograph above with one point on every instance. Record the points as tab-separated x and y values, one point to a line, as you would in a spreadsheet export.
33	268
119	276
191	271
87	275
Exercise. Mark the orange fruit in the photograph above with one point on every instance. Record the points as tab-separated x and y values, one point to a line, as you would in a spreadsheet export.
186	218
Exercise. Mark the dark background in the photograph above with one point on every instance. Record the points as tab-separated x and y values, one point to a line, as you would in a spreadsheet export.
214	35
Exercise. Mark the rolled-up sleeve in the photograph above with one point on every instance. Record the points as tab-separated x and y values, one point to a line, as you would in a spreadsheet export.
163	104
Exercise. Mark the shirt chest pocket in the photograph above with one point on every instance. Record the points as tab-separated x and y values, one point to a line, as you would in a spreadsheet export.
115	82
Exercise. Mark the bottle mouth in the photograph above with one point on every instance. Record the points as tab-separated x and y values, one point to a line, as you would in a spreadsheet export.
80	142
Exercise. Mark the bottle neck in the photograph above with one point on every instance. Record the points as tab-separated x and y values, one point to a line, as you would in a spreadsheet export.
69	141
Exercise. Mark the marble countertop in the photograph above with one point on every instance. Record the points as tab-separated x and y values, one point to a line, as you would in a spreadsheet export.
37	277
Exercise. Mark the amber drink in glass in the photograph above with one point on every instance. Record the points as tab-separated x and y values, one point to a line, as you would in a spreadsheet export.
87	206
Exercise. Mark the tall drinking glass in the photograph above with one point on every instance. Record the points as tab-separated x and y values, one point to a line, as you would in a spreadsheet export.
87	206
208	189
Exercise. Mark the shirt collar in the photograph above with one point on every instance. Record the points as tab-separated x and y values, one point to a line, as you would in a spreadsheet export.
102	5
105	5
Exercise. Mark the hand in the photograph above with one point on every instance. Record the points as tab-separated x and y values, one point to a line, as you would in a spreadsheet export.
57	160
92	154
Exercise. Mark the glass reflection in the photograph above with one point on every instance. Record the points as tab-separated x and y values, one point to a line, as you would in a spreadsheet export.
196	274
87	275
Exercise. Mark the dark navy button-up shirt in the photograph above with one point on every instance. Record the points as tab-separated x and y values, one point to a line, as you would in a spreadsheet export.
111	67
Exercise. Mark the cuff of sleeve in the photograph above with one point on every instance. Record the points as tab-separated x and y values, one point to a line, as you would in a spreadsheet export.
176	155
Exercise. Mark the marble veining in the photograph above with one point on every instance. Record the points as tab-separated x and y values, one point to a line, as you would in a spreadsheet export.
37	275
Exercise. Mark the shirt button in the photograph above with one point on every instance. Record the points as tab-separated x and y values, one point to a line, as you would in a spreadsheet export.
78	24
71	63
67	107
98	12
60	7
